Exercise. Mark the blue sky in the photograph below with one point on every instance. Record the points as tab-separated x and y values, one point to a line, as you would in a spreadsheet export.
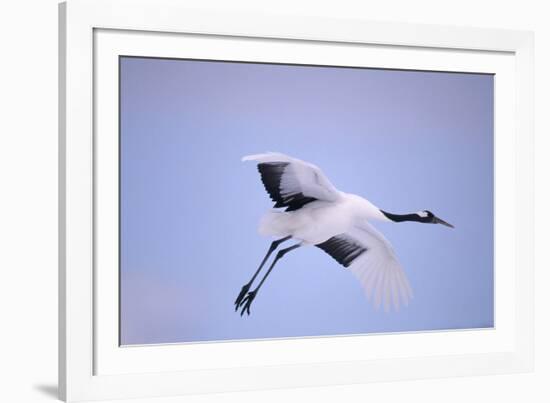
405	140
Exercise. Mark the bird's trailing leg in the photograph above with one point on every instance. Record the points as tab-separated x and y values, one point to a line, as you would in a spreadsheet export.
247	301
246	287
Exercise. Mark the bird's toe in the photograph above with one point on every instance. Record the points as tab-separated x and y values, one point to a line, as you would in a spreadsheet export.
242	294
247	302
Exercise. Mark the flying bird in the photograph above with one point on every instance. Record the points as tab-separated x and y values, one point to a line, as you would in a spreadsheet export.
310	210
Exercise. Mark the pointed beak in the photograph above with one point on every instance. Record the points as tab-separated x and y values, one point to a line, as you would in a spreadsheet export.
440	221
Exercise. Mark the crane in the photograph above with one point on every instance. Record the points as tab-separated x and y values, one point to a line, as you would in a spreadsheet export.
311	211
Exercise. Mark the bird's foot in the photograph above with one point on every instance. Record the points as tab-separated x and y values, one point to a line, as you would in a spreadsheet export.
241	296
247	301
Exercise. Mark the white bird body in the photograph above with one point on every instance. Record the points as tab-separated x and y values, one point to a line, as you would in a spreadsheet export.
318	221
338	223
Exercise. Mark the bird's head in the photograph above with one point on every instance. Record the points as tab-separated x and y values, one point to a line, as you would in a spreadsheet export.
427	217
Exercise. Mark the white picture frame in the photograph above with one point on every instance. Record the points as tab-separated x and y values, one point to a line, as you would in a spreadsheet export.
92	366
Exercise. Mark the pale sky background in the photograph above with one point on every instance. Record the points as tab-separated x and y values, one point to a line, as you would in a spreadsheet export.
405	140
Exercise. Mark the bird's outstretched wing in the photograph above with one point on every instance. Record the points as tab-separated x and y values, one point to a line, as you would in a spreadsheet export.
292	183
371	258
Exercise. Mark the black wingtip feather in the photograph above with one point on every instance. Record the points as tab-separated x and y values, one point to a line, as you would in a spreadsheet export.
271	174
342	249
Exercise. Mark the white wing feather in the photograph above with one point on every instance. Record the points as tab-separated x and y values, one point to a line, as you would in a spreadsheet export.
300	177
378	269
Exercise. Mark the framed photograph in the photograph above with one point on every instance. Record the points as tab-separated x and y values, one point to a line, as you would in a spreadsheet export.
255	201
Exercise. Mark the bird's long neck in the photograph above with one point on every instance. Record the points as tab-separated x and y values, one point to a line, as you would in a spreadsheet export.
401	217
